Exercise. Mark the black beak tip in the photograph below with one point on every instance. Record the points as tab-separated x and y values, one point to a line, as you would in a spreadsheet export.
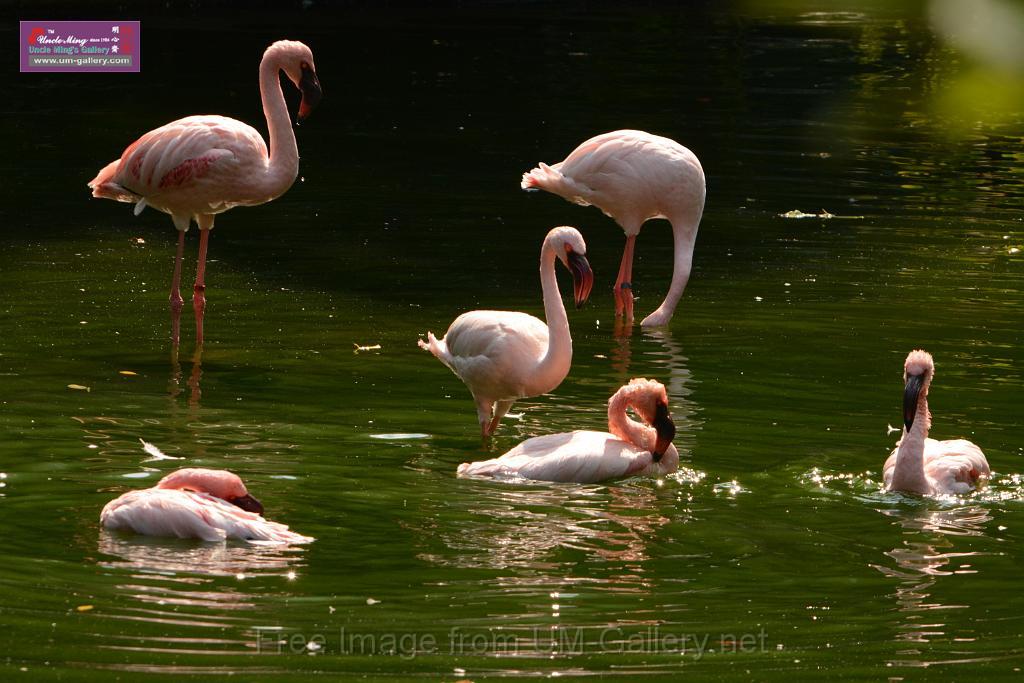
248	503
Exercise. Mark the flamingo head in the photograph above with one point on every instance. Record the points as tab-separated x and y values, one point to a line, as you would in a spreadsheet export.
221	484
650	401
918	371
296	60
572	252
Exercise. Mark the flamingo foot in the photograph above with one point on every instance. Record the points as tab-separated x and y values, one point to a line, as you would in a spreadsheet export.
624	300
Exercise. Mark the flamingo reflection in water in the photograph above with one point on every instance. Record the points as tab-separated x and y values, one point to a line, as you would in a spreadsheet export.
927	554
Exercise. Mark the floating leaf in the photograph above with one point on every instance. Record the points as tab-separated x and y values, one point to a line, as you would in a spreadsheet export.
79	387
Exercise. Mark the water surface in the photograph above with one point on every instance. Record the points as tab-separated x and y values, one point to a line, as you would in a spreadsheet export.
771	554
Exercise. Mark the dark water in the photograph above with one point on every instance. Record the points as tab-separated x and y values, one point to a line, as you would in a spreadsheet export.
773	554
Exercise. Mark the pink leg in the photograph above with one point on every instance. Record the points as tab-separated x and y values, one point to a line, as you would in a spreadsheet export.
175	298
624	282
199	290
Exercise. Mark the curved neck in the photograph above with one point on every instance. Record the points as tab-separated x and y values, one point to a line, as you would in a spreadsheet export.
684	233
283	164
554	366
626	428
908	472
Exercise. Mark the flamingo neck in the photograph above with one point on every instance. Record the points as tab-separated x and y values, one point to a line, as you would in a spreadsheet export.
908	473
626	428
684	231
283	164
554	365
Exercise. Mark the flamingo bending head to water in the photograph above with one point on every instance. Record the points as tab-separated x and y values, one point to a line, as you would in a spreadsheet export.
633	176
503	356
199	166
195	502
922	465
630	449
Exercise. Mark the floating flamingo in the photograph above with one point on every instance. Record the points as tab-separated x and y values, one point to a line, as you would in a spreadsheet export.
633	176
199	166
503	356
630	449
196	503
922	465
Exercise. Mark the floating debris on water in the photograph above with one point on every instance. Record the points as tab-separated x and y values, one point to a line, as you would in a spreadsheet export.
358	348
128	373
797	213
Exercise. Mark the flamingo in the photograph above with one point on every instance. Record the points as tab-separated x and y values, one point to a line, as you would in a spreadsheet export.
631	449
633	176
922	465
503	356
195	502
199	166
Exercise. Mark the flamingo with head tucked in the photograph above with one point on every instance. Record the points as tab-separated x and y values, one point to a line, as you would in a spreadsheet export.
633	176
194	502
503	356
631	449
199	166
922	465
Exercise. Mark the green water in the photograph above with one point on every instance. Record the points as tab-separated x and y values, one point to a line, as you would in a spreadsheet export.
771	555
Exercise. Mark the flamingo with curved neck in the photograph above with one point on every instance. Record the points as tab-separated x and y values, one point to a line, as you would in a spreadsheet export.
503	356
629	448
199	166
195	502
922	465
633	176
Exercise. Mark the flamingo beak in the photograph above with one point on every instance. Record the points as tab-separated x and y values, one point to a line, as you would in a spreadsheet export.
582	277
911	392
665	428
311	93
247	503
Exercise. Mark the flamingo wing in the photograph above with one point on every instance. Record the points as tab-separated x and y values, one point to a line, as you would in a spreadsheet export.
186	514
204	162
954	466
579	456
492	350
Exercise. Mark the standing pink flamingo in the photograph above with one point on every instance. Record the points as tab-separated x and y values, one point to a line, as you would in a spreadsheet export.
196	503
503	356
199	166
633	176
922	465
630	449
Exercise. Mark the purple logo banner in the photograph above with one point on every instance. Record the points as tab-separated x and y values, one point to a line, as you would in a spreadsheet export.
76	46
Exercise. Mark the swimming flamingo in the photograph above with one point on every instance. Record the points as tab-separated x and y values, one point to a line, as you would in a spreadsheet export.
503	356
631	449
633	176
922	465
196	503
199	166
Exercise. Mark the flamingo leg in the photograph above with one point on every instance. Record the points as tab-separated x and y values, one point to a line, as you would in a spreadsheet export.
624	282
500	409
199	290
176	301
